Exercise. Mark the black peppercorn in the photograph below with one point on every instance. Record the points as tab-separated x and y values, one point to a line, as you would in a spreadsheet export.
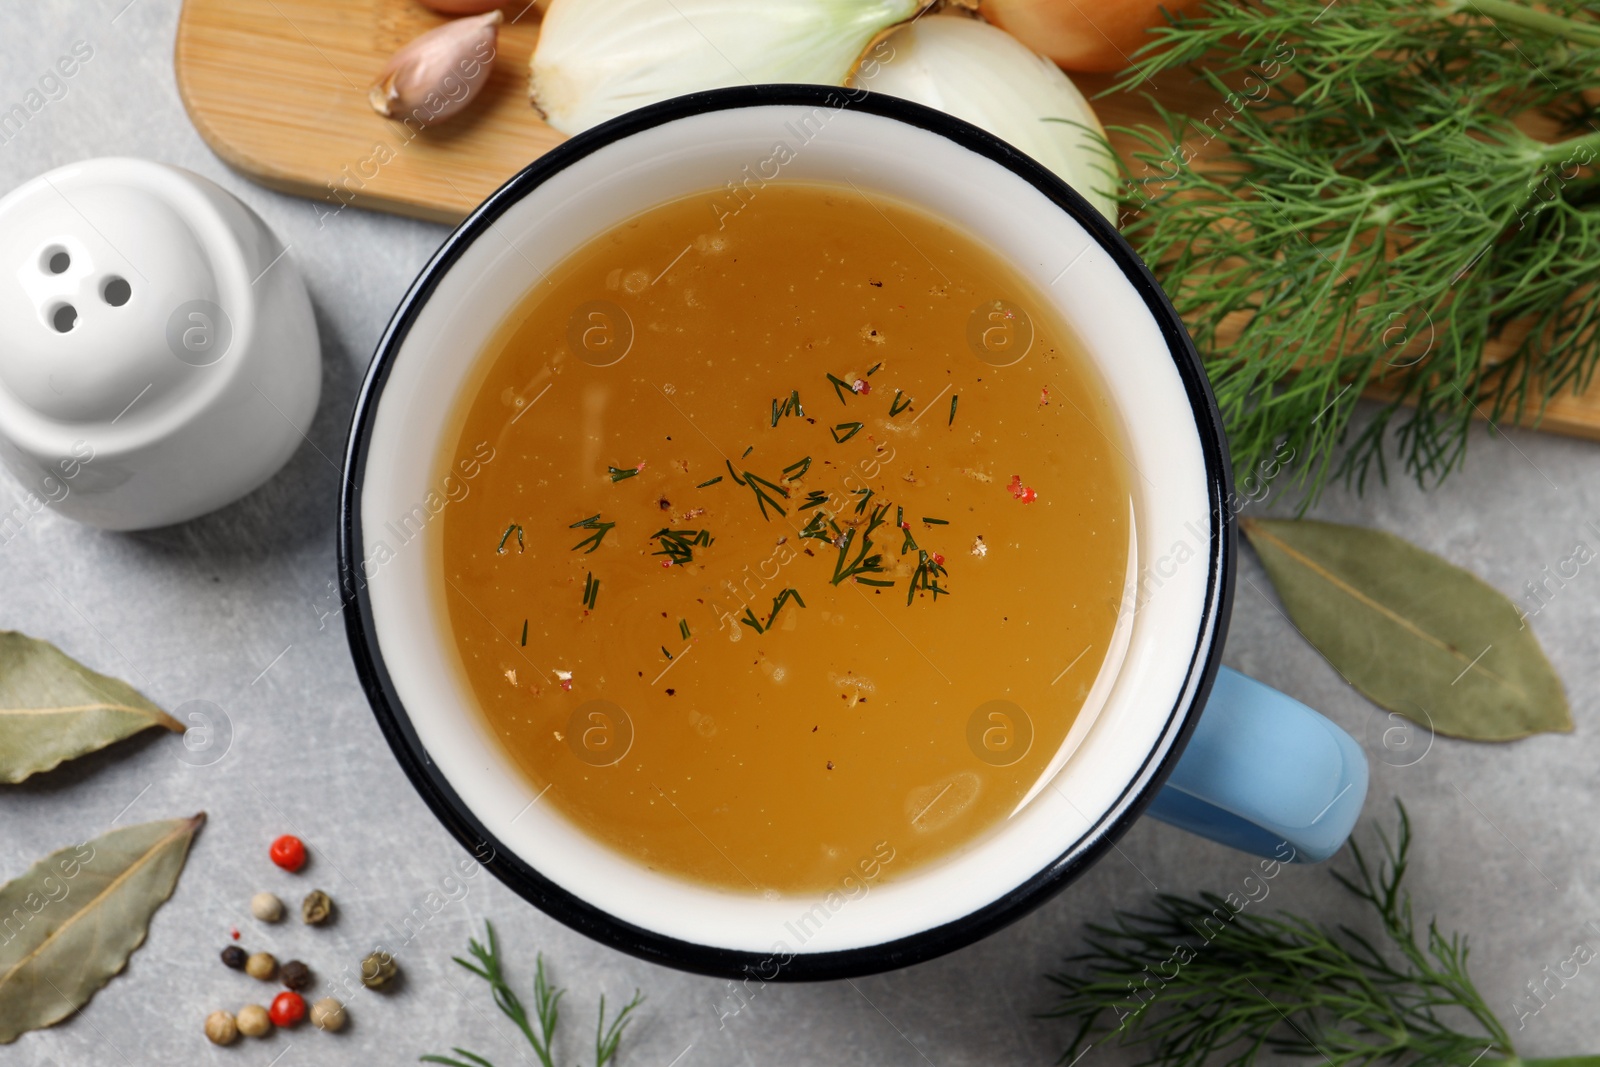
295	975
234	956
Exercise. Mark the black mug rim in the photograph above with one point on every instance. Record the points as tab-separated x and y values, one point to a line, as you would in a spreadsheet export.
525	880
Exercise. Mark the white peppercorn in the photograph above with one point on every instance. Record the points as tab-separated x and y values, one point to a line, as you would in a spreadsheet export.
254	1020
266	907
261	965
221	1028
328	1014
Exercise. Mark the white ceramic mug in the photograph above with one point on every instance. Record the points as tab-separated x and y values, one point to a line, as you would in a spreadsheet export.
1148	699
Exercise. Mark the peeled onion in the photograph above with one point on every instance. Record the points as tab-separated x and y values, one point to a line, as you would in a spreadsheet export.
1083	35
981	74
597	59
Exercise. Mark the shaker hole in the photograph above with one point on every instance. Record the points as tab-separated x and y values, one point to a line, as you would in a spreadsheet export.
117	291
64	318
59	262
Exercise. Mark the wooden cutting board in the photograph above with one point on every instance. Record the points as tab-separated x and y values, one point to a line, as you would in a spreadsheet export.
278	89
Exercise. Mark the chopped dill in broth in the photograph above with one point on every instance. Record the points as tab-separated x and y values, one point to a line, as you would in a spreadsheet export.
774	515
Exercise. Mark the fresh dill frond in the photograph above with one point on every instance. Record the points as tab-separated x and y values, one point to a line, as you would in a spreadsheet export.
1202	979
1371	214
598	532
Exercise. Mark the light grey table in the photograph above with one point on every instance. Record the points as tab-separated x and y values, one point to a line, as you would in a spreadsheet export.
229	609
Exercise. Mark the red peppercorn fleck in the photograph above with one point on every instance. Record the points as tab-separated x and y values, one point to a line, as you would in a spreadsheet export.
289	852
287	1009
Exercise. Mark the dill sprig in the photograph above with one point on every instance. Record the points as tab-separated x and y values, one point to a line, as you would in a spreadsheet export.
1375	217
679	545
790	406
850	430
516	528
591	591
815	527
909	543
546	1009
926	577
598	532
844	567
764	491
899	403
619	473
840	387
1242	983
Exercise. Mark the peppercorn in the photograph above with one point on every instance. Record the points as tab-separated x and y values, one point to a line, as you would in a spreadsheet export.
266	907
328	1014
234	956
378	970
317	908
221	1028
254	1021
287	1009
289	852
295	975
261	965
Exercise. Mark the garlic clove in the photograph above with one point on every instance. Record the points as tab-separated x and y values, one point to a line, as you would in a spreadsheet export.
983	75
597	59
437	74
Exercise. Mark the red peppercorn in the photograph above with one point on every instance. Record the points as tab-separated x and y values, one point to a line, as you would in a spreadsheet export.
289	852
287	1009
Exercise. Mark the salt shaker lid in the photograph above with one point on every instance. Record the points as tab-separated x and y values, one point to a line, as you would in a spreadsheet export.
106	254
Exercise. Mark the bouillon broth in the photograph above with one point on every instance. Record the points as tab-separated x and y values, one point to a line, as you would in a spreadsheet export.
779	564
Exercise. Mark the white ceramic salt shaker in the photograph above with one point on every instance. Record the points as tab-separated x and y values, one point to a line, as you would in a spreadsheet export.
158	353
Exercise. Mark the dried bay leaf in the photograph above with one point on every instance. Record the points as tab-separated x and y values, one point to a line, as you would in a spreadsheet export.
70	923
1415	634
53	708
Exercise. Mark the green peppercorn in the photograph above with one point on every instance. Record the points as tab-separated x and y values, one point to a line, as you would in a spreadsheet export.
317	908
294	975
378	970
234	956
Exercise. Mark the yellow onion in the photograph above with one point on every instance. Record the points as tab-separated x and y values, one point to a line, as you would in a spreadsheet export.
976	72
1083	35
597	59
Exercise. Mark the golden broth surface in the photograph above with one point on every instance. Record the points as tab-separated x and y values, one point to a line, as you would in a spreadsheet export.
615	614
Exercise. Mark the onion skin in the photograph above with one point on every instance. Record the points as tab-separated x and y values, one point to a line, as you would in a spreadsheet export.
1083	35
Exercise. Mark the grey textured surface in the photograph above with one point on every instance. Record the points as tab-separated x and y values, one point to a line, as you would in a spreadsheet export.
230	609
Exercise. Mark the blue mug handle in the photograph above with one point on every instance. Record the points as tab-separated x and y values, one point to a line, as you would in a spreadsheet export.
1264	774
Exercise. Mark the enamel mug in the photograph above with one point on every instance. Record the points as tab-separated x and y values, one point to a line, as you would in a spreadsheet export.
1166	730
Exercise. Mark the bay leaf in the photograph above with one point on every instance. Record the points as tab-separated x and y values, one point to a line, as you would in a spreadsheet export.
1415	634
69	924
53	708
